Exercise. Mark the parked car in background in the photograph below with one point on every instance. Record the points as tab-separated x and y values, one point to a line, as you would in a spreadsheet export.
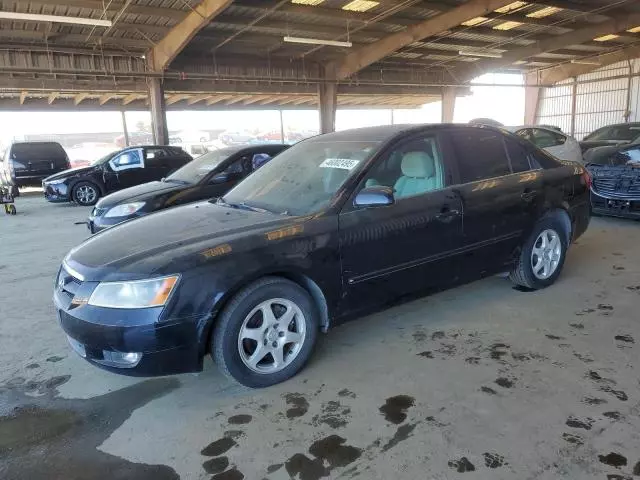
616	180
193	149
118	170
612	135
556	143
28	163
192	136
230	137
84	154
208	176
335	226
135	139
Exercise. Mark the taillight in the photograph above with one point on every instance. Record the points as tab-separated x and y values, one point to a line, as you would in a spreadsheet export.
586	178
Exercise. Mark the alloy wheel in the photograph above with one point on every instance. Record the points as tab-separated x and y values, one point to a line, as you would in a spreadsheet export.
86	194
271	336
546	254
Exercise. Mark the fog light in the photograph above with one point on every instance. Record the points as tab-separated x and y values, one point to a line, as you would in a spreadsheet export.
119	359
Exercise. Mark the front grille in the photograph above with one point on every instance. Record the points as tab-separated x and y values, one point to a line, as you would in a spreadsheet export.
624	187
68	284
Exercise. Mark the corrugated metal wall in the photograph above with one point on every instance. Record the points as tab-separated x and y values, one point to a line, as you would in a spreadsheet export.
601	99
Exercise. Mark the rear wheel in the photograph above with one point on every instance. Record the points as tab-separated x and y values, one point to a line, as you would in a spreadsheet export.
266	333
86	194
542	256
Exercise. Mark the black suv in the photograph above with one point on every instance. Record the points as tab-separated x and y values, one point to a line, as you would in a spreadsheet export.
118	170
27	163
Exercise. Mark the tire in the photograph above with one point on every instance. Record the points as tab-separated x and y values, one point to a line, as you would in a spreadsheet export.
82	194
15	191
244	313
523	273
12	209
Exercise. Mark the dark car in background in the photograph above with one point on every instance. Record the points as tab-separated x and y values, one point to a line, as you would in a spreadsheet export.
616	180
335	226
118	170
211	175
612	135
28	163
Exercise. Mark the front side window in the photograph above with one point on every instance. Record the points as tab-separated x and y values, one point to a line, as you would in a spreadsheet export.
414	167
305	178
480	153
127	160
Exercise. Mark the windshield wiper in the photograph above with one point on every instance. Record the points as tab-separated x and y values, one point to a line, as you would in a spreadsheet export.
175	180
243	206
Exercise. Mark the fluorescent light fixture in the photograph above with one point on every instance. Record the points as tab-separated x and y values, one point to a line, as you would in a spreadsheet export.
606	38
544	12
360	5
317	41
507	25
578	61
475	21
36	17
634	30
511	7
307	2
520	62
480	53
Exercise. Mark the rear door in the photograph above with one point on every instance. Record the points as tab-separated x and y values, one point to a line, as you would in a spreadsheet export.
410	245
500	195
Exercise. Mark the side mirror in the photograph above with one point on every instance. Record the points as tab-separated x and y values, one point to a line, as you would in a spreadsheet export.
219	178
378	196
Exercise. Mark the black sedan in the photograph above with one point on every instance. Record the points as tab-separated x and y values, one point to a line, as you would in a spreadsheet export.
118	170
616	180
335	226
612	135
211	175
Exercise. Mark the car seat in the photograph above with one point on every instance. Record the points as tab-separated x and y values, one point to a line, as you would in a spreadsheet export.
418	175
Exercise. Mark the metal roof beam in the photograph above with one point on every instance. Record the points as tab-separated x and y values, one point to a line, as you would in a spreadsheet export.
365	56
549	44
114	7
163	53
556	74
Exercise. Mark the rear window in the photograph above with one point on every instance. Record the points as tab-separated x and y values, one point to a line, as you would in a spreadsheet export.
38	151
481	154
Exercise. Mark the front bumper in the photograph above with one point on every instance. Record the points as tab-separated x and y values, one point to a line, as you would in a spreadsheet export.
615	207
57	192
103	336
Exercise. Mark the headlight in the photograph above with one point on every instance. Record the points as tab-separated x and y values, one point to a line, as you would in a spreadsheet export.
56	182
125	209
134	294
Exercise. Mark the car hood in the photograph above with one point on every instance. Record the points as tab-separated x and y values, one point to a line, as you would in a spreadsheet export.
138	193
172	241
69	173
587	144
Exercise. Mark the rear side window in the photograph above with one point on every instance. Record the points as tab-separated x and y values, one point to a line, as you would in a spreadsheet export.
40	151
480	153
546	139
517	155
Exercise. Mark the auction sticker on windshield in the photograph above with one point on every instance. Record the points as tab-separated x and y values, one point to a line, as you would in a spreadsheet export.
343	163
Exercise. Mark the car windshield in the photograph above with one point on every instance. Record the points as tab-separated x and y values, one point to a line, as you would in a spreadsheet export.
621	133
193	171
304	178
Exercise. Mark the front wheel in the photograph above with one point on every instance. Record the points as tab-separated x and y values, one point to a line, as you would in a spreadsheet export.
266	333
86	194
542	256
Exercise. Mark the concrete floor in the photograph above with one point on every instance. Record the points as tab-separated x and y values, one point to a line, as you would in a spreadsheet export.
481	382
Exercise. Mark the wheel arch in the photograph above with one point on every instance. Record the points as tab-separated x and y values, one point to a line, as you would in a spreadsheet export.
98	184
562	213
297	277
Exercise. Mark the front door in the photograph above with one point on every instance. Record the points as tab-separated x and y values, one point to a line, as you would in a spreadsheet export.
125	170
410	245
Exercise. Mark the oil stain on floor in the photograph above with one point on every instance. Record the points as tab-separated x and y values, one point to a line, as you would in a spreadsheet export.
69	431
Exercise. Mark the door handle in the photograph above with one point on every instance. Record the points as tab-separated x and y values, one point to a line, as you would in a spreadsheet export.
446	214
528	195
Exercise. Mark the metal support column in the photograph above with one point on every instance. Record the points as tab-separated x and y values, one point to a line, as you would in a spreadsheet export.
328	101
124	128
448	104
158	112
531	104
281	127
574	104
